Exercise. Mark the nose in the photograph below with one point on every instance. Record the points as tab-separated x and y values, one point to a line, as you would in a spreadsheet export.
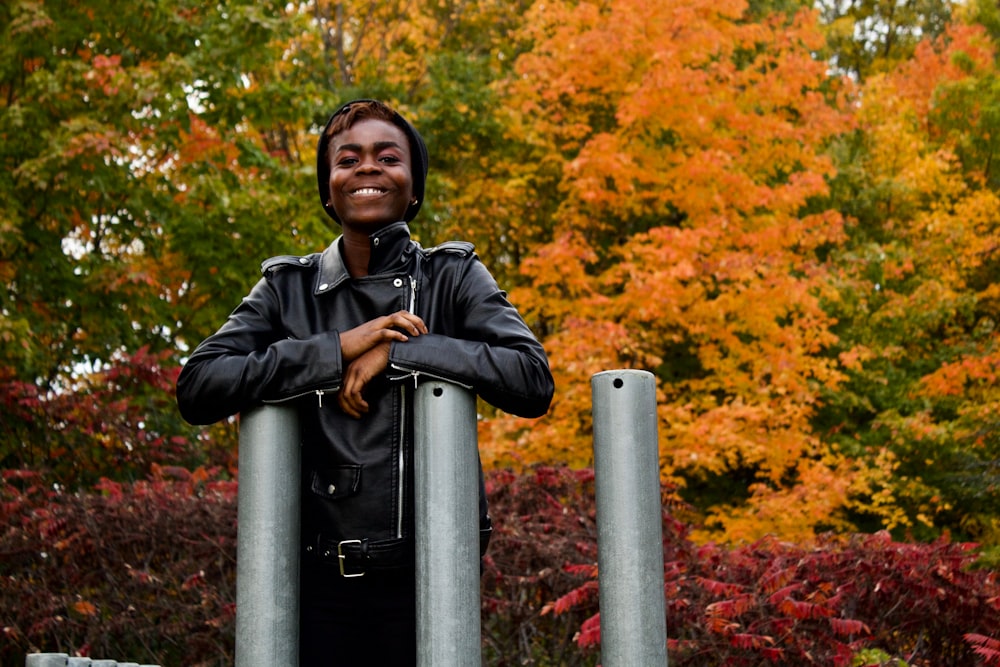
368	164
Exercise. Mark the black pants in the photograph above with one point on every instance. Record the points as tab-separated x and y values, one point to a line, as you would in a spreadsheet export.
369	620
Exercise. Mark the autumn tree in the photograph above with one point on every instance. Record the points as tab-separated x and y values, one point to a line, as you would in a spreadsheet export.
154	154
688	187
866	37
135	186
689	144
918	302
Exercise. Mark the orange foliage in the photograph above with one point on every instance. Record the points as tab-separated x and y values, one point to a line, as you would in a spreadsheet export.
690	142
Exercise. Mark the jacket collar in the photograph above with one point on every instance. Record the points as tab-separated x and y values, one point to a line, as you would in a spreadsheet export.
390	251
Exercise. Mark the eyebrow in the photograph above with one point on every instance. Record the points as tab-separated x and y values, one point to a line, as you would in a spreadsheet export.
379	145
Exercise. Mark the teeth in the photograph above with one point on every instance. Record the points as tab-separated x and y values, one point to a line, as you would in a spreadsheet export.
368	191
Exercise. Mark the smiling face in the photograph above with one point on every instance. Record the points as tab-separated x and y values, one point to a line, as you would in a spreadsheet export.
371	182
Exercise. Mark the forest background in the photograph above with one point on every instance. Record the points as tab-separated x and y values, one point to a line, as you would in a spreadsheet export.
787	212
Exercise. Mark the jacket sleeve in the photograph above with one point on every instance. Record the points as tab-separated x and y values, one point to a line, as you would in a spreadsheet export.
493	350
251	360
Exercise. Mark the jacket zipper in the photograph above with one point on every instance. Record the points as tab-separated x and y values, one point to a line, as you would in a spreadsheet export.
402	431
419	374
402	462
318	392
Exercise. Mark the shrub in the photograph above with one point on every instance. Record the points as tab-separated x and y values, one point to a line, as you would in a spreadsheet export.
146	572
143	572
543	519
823	604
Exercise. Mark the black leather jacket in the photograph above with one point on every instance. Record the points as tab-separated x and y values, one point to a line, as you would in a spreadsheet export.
282	343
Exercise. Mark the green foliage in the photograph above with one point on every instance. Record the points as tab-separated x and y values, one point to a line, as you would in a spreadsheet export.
134	187
865	37
916	315
874	656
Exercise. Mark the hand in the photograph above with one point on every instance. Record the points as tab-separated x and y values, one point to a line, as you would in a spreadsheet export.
357	376
359	340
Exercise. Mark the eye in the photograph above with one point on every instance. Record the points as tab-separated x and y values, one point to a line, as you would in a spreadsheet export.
389	159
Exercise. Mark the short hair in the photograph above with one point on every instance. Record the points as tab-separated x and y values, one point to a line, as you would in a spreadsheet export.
354	112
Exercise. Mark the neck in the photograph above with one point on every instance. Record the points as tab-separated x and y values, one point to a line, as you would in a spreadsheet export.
356	253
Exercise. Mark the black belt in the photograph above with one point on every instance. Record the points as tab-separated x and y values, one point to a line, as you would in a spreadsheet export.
355	557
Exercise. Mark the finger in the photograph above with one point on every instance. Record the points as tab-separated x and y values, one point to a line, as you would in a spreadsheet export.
352	403
348	409
410	322
351	397
355	342
347	391
344	405
357	405
417	320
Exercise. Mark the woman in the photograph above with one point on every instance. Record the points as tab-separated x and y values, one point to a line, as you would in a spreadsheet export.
346	334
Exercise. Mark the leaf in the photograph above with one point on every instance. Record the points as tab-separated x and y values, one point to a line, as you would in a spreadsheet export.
85	608
573	599
848	627
750	641
986	647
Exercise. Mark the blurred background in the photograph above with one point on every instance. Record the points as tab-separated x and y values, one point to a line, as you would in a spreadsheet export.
787	212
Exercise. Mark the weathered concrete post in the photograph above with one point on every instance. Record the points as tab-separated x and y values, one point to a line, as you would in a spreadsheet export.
629	520
267	544
446	463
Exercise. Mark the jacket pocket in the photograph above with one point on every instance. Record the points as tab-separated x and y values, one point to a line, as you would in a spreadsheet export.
336	482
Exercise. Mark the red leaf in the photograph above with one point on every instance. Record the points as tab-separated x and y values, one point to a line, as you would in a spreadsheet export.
848	627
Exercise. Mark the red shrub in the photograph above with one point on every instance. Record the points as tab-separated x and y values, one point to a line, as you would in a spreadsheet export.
141	572
544	524
777	603
146	572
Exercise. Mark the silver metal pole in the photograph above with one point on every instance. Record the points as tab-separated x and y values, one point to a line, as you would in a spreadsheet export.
267	543
446	464
46	660
629	520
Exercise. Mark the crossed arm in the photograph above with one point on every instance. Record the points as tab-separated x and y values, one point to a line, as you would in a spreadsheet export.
365	351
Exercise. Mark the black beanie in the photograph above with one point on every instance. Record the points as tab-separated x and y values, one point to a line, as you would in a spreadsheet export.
418	151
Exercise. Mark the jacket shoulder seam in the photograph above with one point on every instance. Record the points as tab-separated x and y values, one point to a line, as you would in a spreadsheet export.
463	248
281	261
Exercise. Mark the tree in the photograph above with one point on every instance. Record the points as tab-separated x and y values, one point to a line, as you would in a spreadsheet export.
918	307
866	37
135	185
153	154
689	145
807	265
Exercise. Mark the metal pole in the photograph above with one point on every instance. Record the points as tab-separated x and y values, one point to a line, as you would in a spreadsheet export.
446	464
629	520
267	544
46	660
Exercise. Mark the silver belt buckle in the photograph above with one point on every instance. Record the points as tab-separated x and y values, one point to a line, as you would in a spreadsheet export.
341	556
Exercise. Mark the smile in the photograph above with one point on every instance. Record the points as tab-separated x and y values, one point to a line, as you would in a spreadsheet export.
368	191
